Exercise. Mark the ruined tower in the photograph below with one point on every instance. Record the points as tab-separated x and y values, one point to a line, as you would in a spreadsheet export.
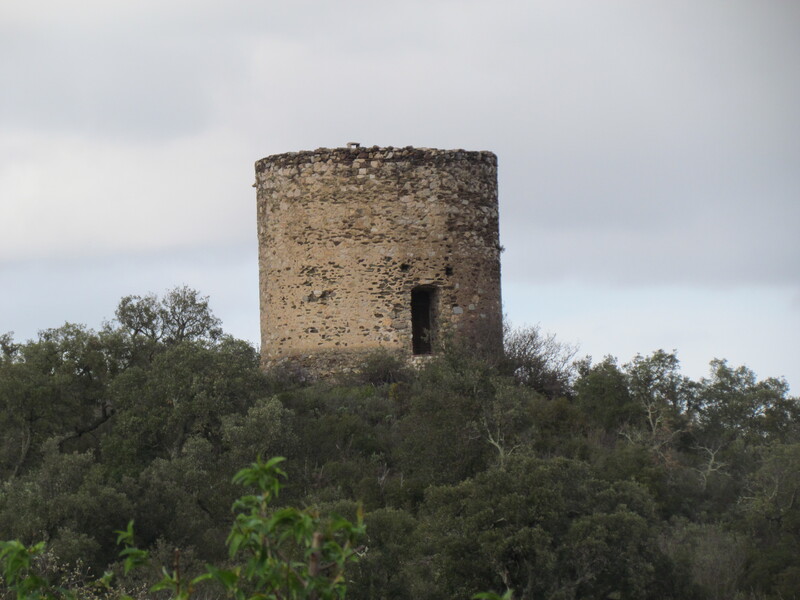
367	248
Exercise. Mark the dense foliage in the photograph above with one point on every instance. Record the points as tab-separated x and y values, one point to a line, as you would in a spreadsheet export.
284	554
529	471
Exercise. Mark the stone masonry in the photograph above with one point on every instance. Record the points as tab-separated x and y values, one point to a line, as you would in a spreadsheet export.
367	248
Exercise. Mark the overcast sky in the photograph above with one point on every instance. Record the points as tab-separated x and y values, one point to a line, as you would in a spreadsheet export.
649	153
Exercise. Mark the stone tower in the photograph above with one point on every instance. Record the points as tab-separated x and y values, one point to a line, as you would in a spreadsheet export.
367	248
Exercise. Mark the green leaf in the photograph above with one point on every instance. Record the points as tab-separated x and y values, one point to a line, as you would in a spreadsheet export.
201	578
126	536
229	579
492	596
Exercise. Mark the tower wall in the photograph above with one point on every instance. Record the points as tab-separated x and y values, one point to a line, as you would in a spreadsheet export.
346	234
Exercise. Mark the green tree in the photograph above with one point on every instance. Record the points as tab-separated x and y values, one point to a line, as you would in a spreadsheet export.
666	399
53	387
67	503
149	324
186	391
443	435
381	574
181	315
734	404
602	394
538	360
770	513
546	529
278	553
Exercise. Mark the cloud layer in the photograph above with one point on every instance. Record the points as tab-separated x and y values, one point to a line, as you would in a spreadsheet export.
639	144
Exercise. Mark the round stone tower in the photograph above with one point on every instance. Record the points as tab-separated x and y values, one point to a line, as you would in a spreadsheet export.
367	248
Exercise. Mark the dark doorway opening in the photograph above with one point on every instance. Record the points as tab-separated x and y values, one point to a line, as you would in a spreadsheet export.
422	319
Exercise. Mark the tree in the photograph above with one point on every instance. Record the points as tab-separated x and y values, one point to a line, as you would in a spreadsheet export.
443	436
714	556
734	404
540	361
380	572
602	394
185	391
544	528
770	511
55	386
666	399
279	554
181	315
67	503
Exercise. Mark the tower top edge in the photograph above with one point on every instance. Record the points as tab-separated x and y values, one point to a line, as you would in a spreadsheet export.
354	152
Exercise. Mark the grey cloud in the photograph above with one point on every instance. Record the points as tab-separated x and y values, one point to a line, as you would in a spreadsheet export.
639	143
87	290
124	83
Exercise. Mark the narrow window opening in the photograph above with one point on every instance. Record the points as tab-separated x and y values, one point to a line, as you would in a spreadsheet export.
422	319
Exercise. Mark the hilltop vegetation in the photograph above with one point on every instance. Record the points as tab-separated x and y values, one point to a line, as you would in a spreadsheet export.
530	471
